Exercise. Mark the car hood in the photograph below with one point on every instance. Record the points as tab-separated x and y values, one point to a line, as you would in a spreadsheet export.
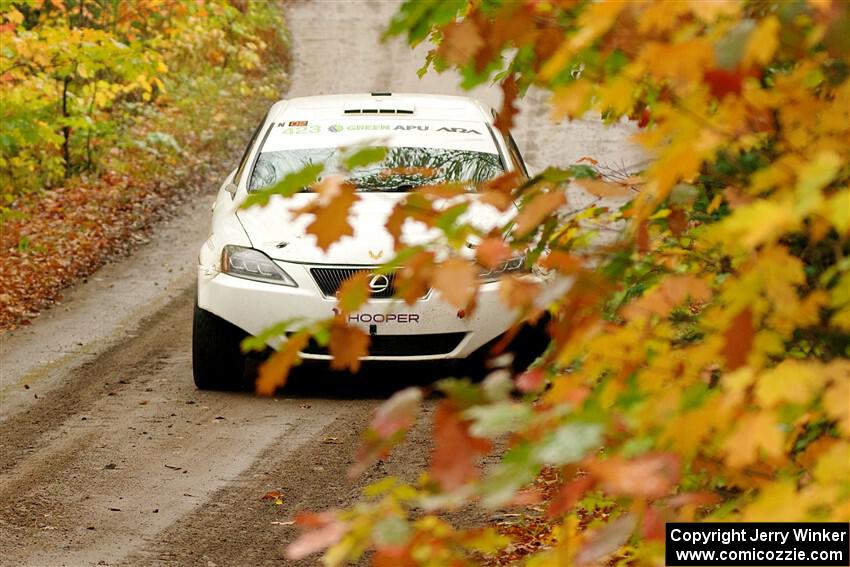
278	232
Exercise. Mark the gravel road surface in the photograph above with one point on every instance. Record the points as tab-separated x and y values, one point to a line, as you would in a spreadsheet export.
108	454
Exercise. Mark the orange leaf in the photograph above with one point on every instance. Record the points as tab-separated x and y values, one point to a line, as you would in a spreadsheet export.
517	293
347	346
601	188
354	292
271	495
738	340
331	208
533	212
498	192
457	281
492	252
461	41
562	262
274	371
414	278
671	293
652	475
505	117
569	494
415	206
455	450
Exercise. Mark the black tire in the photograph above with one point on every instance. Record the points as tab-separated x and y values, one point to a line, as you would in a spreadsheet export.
217	359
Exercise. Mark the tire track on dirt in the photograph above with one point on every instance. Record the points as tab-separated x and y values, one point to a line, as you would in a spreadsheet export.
120	460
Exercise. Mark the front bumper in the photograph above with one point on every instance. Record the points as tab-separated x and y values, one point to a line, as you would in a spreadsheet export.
255	306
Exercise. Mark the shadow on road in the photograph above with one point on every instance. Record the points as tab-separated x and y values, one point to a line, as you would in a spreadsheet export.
373	381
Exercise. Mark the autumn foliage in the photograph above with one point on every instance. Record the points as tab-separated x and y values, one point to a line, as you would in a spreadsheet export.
113	111
698	366
78	77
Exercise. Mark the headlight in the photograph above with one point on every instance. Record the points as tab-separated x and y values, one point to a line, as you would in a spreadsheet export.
514	264
253	265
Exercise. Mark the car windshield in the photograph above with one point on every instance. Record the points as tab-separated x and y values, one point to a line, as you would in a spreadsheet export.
403	168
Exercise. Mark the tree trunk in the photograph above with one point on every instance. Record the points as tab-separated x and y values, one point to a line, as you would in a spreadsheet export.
66	130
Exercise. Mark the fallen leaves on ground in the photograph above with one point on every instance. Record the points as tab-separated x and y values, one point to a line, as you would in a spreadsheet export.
54	238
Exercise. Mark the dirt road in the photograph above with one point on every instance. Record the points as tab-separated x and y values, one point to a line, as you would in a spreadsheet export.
109	456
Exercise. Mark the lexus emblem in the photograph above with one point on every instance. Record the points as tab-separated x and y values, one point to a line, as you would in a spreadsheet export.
379	283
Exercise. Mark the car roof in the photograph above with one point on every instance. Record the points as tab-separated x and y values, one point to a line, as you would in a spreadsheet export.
371	105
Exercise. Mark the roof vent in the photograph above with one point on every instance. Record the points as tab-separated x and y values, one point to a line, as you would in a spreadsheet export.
378	110
382	94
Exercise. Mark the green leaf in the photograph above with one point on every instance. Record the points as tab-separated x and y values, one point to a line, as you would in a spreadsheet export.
517	469
569	443
288	186
729	49
496	419
276	331
461	391
447	220
582	171
417	17
391	531
364	157
684	194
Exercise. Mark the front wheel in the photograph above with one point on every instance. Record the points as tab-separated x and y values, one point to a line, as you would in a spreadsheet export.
217	359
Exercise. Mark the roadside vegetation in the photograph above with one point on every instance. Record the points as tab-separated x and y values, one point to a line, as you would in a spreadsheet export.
113	112
698	366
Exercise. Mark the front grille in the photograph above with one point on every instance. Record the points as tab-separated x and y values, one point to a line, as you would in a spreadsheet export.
329	280
404	345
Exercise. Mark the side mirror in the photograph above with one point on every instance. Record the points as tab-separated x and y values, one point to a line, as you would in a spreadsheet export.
231	188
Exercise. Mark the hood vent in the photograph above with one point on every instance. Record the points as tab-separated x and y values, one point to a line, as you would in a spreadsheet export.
378	111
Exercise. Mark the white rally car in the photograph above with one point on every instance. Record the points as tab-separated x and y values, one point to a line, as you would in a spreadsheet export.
260	266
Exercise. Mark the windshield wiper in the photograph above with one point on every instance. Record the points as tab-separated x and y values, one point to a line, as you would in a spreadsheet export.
403	188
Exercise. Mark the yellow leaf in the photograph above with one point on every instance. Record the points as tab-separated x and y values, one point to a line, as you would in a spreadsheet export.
618	95
812	178
837	210
572	100
754	433
715	203
772	504
683	62
790	381
834	465
14	16
836	399
592	23
660	17
762	43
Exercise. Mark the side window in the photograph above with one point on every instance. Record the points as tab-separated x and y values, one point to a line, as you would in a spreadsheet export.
243	161
515	155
